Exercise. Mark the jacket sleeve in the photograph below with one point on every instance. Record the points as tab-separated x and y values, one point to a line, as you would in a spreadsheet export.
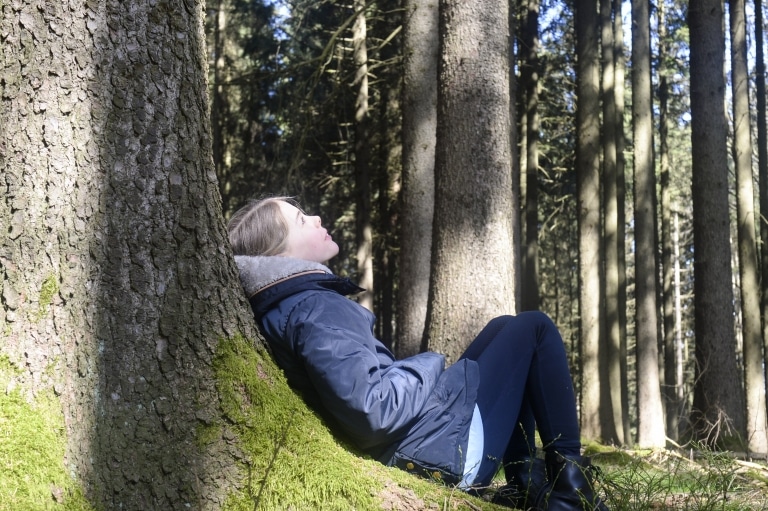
372	396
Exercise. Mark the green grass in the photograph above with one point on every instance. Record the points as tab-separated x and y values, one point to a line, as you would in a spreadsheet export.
669	480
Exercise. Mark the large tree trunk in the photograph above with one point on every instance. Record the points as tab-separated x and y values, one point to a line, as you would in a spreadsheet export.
588	177
650	430
119	287
474	263
754	372
718	400
420	55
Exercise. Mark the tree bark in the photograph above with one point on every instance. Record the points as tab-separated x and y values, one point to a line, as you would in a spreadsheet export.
650	431
420	55
718	401
611	361
618	53
669	386
588	184
116	284
363	224
474	260
754	373
762	162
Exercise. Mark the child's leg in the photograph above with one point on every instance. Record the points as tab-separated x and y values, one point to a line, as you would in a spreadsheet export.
522	358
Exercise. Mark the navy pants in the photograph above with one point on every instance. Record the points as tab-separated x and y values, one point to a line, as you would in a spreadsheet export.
524	383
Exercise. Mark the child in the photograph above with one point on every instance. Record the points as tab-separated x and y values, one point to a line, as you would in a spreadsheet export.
458	424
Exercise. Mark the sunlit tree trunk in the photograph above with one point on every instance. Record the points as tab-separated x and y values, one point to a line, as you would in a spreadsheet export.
762	162
754	373
650	430
474	260
671	406
618	54
718	401
588	179
363	224
680	352
420	55
611	410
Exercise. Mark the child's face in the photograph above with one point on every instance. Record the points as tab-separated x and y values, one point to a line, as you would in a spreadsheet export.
307	239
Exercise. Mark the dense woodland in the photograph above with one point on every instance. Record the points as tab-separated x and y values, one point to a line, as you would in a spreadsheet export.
633	196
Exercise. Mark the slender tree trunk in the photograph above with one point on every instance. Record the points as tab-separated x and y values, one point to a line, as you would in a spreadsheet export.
618	53
718	400
529	78
474	262
680	352
420	55
588	178
754	374
363	221
762	162
650	431
667	263
612	425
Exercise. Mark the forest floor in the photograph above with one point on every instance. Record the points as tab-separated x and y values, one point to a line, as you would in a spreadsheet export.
690	480
683	479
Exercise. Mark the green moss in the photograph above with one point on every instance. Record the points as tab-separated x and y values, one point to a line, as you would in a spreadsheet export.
292	460
32	442
7	370
206	434
47	291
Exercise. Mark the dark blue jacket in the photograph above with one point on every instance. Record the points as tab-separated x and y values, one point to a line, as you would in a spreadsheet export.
412	413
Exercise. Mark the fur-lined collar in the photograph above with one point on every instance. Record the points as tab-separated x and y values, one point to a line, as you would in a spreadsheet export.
259	272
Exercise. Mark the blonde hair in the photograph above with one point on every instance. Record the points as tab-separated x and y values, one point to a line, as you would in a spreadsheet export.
259	227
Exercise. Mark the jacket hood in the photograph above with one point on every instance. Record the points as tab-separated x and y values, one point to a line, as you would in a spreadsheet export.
260	272
267	280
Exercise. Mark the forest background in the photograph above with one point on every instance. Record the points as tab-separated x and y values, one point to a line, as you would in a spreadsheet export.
472	158
342	105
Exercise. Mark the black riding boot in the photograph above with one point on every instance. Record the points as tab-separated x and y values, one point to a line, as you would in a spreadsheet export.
525	478
570	486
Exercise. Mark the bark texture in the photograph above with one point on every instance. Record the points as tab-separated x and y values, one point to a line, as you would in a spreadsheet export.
650	430
611	360
718	400
363	226
420	54
474	262
116	284
754	373
588	180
